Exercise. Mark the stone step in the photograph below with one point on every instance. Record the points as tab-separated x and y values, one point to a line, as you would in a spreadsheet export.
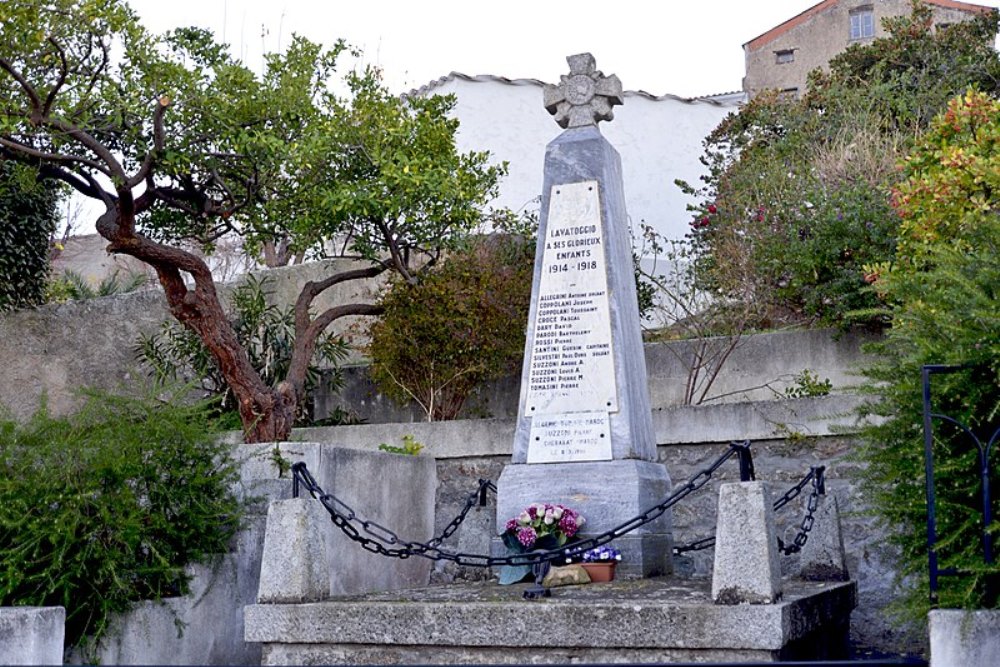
666	619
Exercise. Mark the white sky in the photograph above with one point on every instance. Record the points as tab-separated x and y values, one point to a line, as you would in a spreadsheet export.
660	46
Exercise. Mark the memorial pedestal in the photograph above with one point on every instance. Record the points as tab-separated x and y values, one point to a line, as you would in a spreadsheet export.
661	620
607	494
584	436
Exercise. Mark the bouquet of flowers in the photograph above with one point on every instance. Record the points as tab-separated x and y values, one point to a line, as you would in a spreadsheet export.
541	526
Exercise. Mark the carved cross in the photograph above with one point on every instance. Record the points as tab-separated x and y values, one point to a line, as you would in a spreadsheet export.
585	96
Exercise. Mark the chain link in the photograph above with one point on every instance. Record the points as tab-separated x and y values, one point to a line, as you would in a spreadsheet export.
816	476
382	541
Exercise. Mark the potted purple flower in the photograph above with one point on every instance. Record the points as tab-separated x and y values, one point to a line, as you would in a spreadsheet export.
539	526
600	563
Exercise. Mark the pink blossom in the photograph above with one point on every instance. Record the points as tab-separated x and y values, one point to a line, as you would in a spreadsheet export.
526	536
568	524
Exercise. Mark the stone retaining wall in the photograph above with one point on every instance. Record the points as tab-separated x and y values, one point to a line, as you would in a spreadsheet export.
760	368
55	350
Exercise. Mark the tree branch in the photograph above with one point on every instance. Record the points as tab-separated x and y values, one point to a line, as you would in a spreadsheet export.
307	331
72	179
158	143
305	340
312	289
36	101
393	246
88	141
63	70
24	149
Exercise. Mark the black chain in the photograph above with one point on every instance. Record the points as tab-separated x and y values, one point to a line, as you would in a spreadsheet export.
816	476
383	541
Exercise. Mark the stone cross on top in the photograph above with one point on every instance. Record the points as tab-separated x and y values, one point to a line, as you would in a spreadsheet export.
585	96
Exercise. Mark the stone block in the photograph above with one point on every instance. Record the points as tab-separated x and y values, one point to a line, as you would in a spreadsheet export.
392	490
747	566
961	638
607	494
296	544
32	635
823	557
658	620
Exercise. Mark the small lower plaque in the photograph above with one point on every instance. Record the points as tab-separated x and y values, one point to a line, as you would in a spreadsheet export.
576	436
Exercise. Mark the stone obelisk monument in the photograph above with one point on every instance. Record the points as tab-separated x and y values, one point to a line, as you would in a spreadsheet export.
584	433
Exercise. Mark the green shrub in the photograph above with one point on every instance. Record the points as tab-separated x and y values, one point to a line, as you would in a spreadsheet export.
27	220
104	508
72	286
410	447
796	203
944	296
808	385
462	324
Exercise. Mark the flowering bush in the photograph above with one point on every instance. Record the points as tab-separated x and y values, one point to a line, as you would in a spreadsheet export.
542	525
601	555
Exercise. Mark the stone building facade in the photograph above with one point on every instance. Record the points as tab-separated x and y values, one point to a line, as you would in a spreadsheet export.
782	57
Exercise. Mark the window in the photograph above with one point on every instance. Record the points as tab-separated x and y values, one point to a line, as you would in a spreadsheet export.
785	56
862	23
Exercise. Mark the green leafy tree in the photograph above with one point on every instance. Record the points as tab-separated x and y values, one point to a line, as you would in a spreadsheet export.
27	220
183	144
796	202
461	325
944	294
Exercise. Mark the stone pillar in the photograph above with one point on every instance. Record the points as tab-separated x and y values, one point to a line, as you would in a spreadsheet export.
965	638
584	434
823	557
32	635
293	567
747	566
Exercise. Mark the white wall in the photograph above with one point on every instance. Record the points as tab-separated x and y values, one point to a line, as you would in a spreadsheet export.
659	139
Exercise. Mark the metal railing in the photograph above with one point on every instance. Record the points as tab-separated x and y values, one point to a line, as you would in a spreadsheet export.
983	452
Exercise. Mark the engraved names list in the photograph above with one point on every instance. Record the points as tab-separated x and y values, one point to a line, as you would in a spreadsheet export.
571	381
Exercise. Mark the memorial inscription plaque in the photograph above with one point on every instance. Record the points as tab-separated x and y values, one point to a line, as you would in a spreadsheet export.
571	381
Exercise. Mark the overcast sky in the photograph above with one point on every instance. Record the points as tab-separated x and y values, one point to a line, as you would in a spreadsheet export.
666	46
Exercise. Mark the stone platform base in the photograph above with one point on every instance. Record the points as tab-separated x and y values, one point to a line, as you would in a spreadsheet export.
607	494
641	621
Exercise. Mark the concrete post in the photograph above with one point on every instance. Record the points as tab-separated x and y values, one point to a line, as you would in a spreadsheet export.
32	635
823	557
961	638
294	565
747	568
